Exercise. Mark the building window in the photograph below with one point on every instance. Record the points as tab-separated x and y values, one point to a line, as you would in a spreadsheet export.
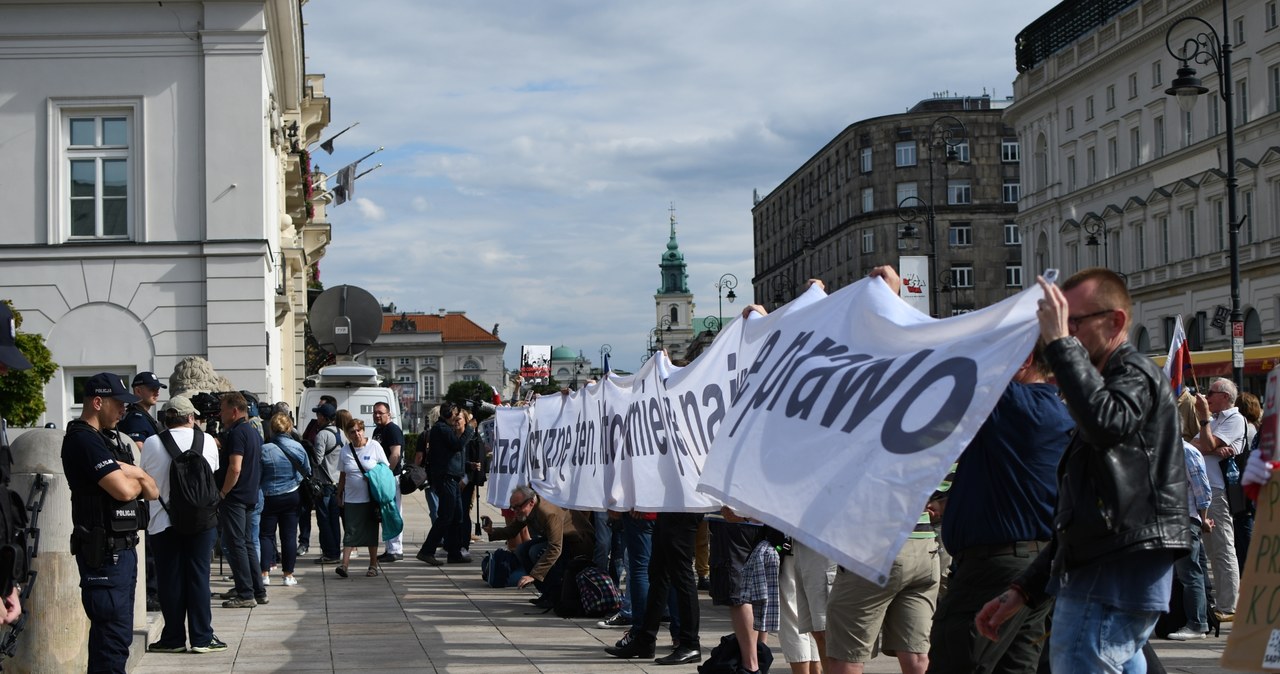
1215	113
1111	96
1242	98
962	276
1012	235
1071	118
1010	150
471	364
1088	108
1013	275
1091	165
429	360
905	153
406	361
1239	31
905	191
404	379
1113	157
1246	230
1188	129
470	377
1135	147
1140	245
1157	125
1071	173
98	154
1164	239
961	150
868	200
379	362
1269	14
1273	82
429	386
868	240
1219	225
1156	78
864	159
959	192
1012	191
1133	85
1189	227
960	234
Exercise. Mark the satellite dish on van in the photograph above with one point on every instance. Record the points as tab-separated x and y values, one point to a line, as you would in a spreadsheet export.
345	320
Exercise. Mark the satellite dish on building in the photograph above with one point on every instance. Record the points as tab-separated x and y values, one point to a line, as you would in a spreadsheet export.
345	320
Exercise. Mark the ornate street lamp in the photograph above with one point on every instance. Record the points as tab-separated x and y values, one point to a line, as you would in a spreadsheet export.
605	350
1209	47
1096	226
780	283
946	133
730	282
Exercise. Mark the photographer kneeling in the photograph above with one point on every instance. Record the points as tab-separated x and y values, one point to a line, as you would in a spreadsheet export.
559	535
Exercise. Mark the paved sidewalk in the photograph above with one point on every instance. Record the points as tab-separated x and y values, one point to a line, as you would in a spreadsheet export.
415	618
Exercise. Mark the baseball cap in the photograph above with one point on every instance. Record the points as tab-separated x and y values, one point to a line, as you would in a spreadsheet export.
9	353
326	409
148	379
180	404
107	385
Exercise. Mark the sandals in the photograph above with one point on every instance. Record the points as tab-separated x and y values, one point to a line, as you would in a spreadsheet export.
372	572
341	571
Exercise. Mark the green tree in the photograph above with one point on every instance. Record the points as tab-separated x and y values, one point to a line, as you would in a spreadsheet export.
460	392
22	391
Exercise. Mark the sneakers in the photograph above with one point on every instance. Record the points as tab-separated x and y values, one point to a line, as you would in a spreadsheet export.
1186	634
158	647
615	620
266	579
327	560
262	600
390	557
290	581
239	602
302	549
428	559
215	645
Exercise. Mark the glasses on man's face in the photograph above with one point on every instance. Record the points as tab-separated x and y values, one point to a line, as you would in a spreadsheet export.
1073	322
517	506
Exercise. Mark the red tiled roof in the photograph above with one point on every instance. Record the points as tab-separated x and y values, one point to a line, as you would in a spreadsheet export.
452	327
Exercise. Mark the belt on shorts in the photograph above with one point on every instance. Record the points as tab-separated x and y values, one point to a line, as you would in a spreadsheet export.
1016	549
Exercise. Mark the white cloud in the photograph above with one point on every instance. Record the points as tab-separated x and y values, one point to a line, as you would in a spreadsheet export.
533	148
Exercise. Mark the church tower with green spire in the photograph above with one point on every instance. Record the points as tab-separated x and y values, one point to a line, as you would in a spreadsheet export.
673	303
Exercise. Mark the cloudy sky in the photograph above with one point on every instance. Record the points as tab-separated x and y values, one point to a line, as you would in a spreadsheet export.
533	148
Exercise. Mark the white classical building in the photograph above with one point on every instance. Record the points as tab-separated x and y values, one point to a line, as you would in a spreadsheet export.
1113	158
156	190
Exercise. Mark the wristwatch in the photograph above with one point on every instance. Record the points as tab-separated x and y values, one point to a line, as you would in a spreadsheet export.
1204	422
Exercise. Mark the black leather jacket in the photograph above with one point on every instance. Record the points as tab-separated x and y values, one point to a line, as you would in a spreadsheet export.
1122	483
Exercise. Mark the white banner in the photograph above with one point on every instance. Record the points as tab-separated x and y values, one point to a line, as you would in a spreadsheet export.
509	467
853	410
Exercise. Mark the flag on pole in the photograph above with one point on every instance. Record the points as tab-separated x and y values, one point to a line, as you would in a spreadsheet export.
345	190
1179	359
604	366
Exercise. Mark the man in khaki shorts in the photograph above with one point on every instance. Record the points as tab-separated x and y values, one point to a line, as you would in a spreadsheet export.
858	609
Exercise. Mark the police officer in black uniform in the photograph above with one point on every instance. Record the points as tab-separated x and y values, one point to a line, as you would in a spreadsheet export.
139	424
12	511
106	511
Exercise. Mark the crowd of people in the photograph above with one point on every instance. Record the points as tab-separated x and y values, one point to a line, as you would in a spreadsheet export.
1082	497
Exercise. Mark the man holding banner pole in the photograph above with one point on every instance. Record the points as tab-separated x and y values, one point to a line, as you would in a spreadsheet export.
1121	518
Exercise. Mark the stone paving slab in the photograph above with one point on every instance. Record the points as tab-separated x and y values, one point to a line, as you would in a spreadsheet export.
415	618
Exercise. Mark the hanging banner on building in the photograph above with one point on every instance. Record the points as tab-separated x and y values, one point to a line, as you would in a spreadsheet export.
535	363
914	270
852	411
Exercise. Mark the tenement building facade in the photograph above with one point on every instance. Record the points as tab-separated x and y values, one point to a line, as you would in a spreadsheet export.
940	181
1119	175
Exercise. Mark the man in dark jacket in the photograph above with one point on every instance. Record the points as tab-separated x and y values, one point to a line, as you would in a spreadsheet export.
444	470
1121	517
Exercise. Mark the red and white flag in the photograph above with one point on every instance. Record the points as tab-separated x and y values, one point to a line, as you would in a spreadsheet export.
1179	358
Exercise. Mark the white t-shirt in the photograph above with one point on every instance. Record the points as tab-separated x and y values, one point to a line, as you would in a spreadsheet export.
155	461
356	489
1229	426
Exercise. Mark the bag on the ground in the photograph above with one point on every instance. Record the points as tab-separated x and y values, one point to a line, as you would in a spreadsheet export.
193	493
501	568
599	594
569	603
725	657
412	479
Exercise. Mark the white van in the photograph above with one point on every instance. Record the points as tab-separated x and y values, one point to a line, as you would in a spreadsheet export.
356	389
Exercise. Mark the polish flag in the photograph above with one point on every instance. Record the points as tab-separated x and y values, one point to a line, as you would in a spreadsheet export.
1179	358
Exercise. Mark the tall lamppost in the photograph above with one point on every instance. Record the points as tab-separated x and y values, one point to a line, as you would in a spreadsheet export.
726	281
1096	226
779	284
605	350
1209	47
946	133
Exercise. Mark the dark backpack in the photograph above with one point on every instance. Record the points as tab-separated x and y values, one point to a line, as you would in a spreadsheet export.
726	657
500	568
193	494
319	476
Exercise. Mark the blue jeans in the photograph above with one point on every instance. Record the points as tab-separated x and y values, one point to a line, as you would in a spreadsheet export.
329	522
638	535
255	529
182	565
1093	637
1191	575
236	521
529	552
433	503
106	592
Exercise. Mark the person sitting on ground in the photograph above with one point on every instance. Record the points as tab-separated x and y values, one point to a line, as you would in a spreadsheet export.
564	535
360	512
